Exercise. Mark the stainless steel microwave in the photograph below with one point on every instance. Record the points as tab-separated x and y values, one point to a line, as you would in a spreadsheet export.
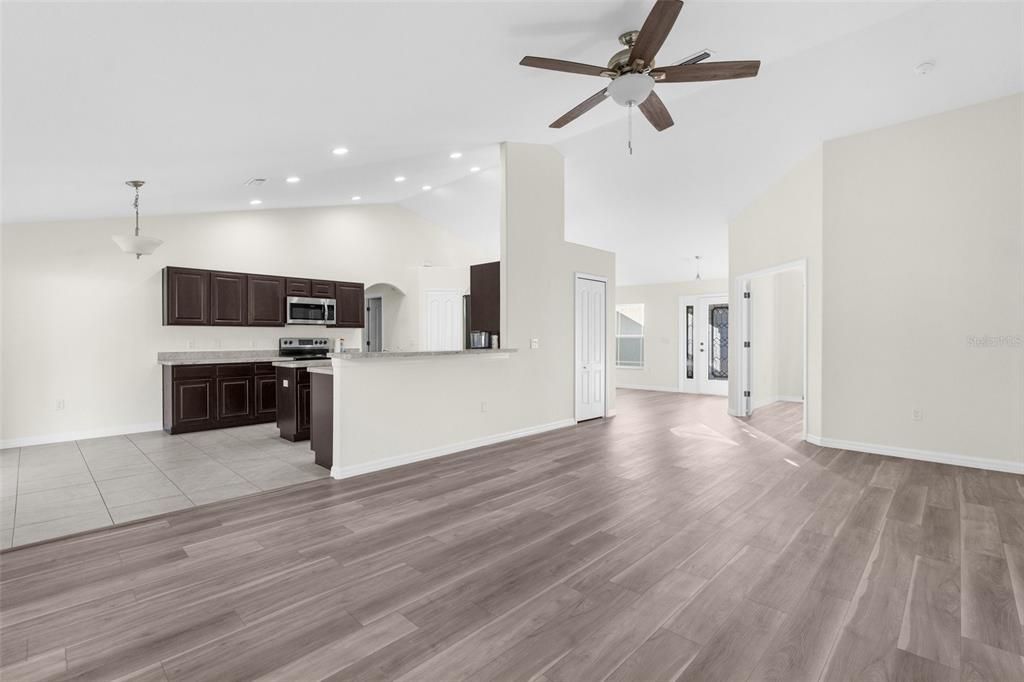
303	310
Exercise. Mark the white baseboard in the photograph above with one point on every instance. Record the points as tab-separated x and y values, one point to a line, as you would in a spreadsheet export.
340	472
26	441
923	455
664	389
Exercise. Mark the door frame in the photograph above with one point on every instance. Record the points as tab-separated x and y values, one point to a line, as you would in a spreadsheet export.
577	276
380	320
739	404
691	385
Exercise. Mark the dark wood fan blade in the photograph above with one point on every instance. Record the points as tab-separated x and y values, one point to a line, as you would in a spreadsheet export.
654	31
580	109
654	111
564	66
706	71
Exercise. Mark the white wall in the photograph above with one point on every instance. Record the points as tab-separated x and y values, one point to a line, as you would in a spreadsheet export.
776	311
780	226
447	404
661	330
82	321
924	249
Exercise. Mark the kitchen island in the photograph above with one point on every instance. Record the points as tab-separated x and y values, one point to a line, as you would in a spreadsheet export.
366	416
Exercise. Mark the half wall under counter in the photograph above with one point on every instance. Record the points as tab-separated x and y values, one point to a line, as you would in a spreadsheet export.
372	411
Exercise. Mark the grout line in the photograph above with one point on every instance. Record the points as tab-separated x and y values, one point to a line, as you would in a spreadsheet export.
94	482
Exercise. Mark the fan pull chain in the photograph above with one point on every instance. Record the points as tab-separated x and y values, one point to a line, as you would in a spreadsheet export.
629	124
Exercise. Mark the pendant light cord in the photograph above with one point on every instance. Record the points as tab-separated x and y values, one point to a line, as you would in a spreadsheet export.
136	205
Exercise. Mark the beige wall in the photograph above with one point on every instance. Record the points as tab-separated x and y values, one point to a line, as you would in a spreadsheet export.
661	330
451	403
784	225
83	320
929	216
913	237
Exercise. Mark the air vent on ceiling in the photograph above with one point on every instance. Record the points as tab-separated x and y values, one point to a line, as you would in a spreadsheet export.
255	182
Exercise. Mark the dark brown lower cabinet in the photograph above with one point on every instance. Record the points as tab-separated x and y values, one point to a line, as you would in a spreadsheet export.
321	426
293	403
202	397
266	396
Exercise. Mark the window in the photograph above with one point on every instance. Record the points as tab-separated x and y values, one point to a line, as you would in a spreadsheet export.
689	342
629	335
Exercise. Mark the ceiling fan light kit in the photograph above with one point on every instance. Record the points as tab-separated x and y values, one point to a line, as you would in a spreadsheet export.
633	72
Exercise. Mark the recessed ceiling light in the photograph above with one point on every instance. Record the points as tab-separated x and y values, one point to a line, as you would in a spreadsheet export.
293	179
474	169
426	188
399	178
455	155
339	151
255	202
356	198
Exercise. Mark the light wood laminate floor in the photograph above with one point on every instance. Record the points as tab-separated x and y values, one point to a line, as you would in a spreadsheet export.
671	542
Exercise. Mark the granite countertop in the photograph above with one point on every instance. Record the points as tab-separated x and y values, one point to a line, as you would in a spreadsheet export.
398	355
296	364
213	357
319	369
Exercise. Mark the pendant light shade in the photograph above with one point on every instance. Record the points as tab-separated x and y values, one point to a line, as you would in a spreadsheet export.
138	244
133	242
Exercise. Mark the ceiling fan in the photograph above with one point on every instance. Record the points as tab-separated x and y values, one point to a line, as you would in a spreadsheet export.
634	74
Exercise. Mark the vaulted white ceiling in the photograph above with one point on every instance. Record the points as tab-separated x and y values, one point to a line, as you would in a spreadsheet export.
196	98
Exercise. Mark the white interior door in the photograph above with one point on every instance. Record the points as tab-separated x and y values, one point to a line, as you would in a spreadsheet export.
712	339
591	353
442	320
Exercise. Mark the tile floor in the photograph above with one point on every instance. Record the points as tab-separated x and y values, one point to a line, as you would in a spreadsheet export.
47	491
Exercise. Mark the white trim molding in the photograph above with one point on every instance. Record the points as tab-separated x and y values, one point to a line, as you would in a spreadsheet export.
950	458
26	441
342	472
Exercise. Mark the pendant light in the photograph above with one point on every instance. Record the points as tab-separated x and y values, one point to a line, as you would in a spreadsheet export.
135	242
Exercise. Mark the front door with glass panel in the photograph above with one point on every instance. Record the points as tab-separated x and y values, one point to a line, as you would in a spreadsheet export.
704	345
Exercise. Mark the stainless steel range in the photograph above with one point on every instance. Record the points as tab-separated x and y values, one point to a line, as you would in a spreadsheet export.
304	349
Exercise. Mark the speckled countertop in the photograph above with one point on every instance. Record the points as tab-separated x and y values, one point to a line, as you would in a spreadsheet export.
296	364
406	355
213	357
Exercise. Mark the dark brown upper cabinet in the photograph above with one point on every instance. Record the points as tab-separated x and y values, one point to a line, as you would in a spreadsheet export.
297	287
266	301
228	298
186	296
485	297
351	304
321	289
204	297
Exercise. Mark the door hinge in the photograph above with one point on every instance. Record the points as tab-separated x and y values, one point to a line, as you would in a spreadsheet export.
746	294
746	394
746	344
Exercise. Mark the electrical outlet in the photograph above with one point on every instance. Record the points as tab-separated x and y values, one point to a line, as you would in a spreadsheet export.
190	344
284	383
216	343
483	407
917	415
60	404
534	344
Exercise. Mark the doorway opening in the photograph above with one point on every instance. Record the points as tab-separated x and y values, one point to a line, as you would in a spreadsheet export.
773	336
704	344
374	325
